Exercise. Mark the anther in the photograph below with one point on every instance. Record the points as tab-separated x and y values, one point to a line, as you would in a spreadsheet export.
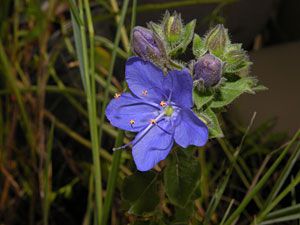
163	103
153	121
117	95
144	92
132	122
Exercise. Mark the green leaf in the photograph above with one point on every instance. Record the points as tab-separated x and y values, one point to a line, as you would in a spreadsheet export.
183	215
198	46
201	97
181	177
140	191
213	124
187	37
231	90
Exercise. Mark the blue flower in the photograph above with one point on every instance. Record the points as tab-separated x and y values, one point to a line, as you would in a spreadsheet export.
159	109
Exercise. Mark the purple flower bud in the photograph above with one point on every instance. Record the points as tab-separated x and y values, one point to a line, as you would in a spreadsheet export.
144	44
208	69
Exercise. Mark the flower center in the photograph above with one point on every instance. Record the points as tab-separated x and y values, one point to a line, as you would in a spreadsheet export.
169	111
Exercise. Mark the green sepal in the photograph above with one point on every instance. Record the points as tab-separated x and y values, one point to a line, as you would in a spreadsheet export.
202	97
229	91
140	192
236	60
212	122
181	176
156	28
198	46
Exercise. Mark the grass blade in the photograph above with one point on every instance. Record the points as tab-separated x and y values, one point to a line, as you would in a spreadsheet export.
281	219
284	174
287	190
87	67
261	183
47	177
295	209
227	211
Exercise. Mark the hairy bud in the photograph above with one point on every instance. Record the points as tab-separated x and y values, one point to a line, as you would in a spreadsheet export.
208	69
173	27
217	39
144	44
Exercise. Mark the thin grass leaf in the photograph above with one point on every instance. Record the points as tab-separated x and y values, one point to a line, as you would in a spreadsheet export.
99	40
217	196
47	177
112	178
89	62
261	183
219	193
133	21
284	175
295	209
75	12
108	80
78	45
274	203
281	219
6	69
90	202
124	36
227	211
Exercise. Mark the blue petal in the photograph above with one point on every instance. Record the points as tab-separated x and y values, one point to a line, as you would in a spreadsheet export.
152	147
191	130
180	83
120	111
145	79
